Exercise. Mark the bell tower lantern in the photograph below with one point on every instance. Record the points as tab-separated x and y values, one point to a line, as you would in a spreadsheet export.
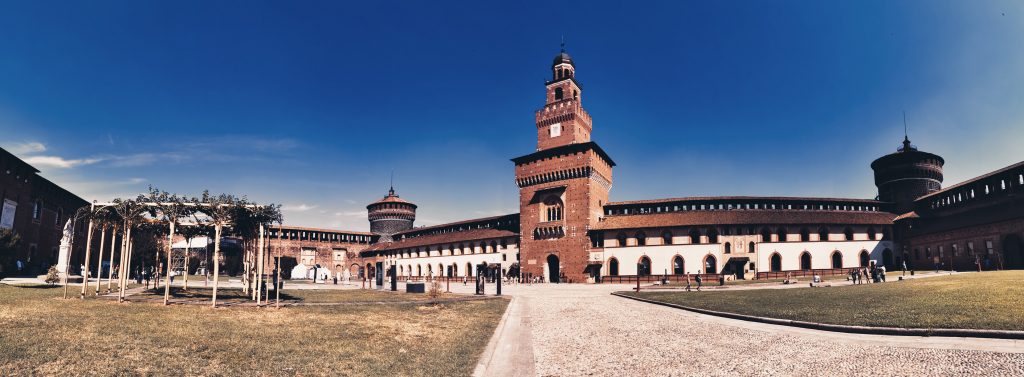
562	121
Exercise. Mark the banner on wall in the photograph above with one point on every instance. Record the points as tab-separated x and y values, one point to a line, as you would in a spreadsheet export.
7	216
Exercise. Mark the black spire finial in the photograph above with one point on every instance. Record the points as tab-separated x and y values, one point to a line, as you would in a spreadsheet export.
906	139
563	43
391	191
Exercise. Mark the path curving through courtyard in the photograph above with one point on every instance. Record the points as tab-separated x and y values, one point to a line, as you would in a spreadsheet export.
578	330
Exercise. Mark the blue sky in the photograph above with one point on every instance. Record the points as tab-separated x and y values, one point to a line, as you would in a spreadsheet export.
312	104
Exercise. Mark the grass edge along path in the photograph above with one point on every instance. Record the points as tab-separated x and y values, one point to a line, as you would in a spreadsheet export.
973	301
41	334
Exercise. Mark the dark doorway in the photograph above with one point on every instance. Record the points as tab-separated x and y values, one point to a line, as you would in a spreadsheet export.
864	258
1013	252
710	265
837	260
677	265
553	268
805	261
776	263
380	277
644	267
613	267
887	259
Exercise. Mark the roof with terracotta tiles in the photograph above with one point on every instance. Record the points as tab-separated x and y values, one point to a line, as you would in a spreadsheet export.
744	217
443	238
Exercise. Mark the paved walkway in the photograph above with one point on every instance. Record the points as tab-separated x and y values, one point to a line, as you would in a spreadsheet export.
577	330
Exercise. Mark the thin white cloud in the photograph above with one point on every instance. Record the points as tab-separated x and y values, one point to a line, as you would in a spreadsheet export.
356	213
27	148
60	162
298	207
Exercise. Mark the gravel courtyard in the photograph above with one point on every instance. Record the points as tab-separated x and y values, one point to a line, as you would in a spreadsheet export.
577	330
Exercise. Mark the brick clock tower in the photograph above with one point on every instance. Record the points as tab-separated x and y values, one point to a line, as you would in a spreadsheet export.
563	186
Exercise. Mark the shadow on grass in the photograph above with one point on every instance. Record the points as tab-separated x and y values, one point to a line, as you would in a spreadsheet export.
207	294
35	286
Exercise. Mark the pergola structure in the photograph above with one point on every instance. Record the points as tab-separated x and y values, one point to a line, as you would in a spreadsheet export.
168	214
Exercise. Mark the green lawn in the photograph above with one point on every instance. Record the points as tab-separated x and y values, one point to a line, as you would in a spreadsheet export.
41	334
988	300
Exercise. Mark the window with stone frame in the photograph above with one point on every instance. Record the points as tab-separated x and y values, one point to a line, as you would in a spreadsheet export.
552	209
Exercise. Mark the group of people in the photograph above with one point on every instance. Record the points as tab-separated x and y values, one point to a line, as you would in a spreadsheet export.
697	278
875	273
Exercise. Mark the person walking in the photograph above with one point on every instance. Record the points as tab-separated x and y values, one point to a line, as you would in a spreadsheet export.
687	281
904	268
881	272
699	281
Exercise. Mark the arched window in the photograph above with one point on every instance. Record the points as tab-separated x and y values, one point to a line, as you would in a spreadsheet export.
710	265
60	215
805	235
678	265
613	267
694	236
837	259
641	238
644	267
766	235
822	234
805	261
558	94
750	247
864	258
37	209
419	270
552	208
469	269
621	239
775	263
781	232
712	235
871	234
728	248
848	234
666	238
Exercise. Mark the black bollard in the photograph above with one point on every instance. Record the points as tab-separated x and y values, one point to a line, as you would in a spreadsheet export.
499	287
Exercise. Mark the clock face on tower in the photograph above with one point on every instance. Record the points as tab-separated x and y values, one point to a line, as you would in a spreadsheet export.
555	130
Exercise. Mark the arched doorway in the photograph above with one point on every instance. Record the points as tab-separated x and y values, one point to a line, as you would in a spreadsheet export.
613	267
775	263
864	258
643	268
678	265
837	259
1013	252
805	261
710	265
553	268
887	259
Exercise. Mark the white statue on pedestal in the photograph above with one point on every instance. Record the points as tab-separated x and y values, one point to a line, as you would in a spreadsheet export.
64	257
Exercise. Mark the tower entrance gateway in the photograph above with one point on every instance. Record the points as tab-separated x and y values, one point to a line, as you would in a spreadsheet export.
563	185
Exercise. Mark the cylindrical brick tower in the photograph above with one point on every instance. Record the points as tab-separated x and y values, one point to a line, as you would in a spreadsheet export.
906	175
390	215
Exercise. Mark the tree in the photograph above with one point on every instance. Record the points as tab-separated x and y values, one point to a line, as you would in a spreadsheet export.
172	208
9	241
221	210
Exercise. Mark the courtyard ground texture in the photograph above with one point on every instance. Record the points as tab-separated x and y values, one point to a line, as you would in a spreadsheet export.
41	334
987	300
583	330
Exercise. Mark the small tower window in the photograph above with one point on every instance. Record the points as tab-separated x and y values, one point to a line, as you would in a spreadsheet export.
558	94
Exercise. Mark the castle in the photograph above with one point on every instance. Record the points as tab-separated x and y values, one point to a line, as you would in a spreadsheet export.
567	229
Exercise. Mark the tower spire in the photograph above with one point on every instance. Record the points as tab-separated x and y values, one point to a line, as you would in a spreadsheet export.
391	191
906	139
563	43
